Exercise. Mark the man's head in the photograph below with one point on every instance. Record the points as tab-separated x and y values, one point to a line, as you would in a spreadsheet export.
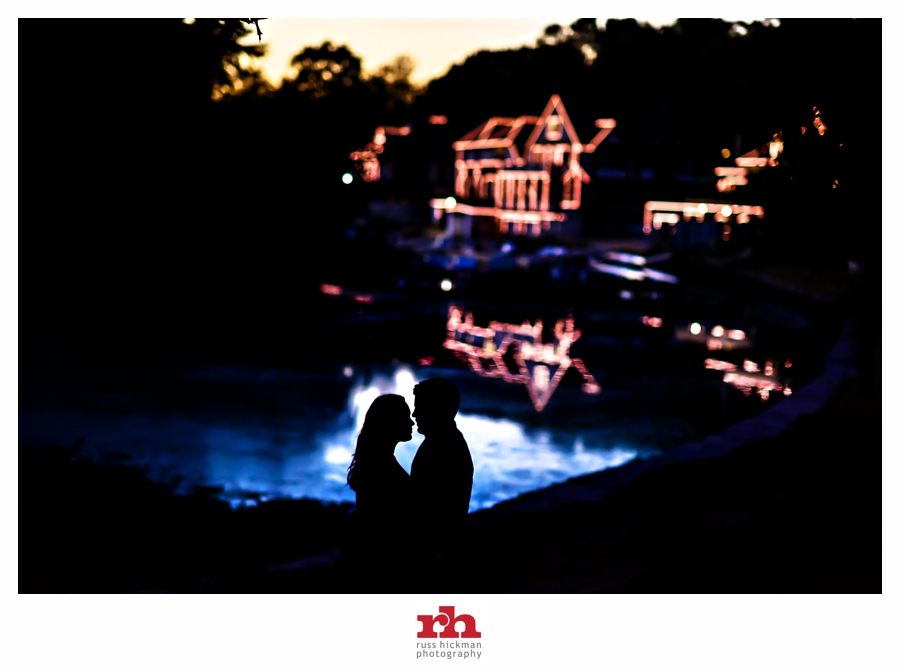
437	401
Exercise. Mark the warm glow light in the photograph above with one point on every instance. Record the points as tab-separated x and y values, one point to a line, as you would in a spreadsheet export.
652	321
450	202
737	334
750	366
752	159
520	184
776	146
718	331
437	120
787	363
446	285
747	383
658	212
347	178
730	178
484	350
696	328
726	153
367	157
722	366
330	289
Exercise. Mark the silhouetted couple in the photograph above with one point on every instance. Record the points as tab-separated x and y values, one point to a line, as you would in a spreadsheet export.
407	527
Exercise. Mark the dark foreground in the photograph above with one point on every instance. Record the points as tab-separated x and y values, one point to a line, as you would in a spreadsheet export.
799	513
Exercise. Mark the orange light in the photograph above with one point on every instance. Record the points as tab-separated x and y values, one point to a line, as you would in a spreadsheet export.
437	120
331	289
521	182
656	212
525	343
747	384
726	153
751	161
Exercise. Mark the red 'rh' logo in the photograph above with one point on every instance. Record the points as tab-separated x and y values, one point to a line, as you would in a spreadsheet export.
448	620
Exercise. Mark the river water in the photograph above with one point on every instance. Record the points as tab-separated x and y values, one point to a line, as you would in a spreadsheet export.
245	438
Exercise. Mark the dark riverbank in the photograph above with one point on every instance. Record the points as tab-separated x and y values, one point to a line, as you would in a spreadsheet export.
94	527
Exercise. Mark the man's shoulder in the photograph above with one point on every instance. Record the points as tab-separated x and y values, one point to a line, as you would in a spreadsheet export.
452	438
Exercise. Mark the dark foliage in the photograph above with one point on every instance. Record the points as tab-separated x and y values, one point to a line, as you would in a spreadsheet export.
92	527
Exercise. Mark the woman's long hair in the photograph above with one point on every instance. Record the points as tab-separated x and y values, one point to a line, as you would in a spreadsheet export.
379	429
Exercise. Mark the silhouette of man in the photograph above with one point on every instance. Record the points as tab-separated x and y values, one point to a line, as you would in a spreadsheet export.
442	470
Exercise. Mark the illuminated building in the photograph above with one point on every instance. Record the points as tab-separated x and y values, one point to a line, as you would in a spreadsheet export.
657	213
540	367
505	169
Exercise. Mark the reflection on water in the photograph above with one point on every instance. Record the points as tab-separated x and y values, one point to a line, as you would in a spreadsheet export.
764	382
540	367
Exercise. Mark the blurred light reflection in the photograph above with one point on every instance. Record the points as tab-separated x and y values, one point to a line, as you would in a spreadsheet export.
540	367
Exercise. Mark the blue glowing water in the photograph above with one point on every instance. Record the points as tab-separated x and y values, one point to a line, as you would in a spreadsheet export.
256	455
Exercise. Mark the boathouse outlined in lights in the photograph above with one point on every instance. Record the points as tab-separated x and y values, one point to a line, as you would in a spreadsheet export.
505	169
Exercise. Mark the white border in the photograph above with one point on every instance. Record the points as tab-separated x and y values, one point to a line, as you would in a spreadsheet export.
523	631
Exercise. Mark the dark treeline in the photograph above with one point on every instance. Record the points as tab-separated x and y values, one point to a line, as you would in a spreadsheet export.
174	201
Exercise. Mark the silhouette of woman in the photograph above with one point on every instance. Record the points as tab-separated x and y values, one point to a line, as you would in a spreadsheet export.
382	521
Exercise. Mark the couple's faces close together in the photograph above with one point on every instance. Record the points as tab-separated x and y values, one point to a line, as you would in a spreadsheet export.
404	424
434	406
